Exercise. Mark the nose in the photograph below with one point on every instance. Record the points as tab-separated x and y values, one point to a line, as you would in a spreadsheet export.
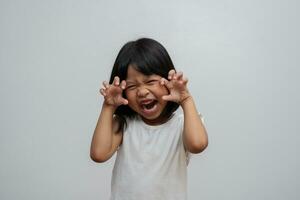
142	92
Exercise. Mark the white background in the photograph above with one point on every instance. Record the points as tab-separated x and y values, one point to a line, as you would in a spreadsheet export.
242	61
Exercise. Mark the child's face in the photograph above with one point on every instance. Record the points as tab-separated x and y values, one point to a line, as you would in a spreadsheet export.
144	94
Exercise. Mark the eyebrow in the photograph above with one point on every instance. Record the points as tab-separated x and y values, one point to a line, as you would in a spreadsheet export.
130	81
145	79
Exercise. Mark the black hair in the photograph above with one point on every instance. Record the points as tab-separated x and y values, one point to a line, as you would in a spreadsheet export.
148	57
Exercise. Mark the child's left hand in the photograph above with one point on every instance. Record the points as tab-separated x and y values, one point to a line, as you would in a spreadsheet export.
177	85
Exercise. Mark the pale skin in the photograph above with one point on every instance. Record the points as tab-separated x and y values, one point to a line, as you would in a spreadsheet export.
106	139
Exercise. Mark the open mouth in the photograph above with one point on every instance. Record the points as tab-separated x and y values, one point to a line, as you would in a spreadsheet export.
149	105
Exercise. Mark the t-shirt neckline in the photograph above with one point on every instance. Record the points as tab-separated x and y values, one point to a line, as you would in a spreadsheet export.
144	124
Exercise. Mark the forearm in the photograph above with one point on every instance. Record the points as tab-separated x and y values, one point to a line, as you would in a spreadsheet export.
194	133
102	138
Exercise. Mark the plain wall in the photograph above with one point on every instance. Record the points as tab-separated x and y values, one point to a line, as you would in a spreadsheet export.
242	61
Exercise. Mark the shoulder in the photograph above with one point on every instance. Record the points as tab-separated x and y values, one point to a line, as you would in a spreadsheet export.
179	116
176	121
131	123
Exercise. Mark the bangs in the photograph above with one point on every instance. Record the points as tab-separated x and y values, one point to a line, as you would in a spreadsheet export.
148	64
146	56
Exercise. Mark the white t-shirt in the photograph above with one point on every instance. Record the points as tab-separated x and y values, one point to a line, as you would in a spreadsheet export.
151	163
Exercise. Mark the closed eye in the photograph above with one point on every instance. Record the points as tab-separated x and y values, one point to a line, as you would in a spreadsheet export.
152	81
130	87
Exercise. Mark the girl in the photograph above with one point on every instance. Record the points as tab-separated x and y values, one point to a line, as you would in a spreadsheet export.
138	120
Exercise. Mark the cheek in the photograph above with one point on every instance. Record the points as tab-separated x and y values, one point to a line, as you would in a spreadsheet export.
130	96
162	90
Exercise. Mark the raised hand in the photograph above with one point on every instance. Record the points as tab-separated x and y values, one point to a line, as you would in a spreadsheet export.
177	85
113	92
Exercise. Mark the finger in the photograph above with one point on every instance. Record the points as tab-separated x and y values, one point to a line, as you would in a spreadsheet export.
105	84
116	81
167	83
125	101
122	101
184	80
171	74
163	80
178	75
123	84
167	97
102	91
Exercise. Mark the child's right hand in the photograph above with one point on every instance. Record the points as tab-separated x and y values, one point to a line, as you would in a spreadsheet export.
113	93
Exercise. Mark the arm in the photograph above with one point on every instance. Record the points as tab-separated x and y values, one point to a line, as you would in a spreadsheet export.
195	138
106	139
194	133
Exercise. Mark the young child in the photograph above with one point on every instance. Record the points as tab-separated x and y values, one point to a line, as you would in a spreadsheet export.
138	120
